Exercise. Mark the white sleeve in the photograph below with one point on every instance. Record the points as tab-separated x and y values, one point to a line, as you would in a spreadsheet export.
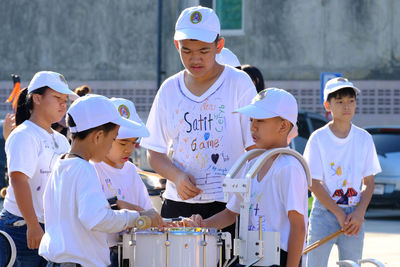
94	211
233	204
22	153
312	156
157	124
371	165
293	188
245	100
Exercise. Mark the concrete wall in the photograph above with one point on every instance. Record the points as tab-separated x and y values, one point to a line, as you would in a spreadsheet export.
117	39
84	40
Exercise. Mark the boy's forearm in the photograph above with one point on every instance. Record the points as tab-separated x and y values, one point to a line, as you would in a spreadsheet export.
220	220
366	194
163	165
296	239
323	197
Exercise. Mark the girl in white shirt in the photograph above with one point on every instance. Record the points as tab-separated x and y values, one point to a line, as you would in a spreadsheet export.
118	176
32	149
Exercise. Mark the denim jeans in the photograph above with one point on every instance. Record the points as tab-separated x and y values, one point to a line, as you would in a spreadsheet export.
25	257
324	223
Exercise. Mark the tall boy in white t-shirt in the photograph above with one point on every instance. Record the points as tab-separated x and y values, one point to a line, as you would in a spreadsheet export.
118	176
193	112
279	191
76	212
343	162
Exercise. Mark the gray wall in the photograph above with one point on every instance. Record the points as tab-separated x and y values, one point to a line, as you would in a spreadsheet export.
117	39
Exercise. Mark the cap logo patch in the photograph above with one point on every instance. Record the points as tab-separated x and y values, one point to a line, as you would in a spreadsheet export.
195	17
261	95
124	111
63	79
343	80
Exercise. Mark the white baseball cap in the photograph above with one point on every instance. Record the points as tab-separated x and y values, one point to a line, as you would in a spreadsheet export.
92	110
270	103
199	23
227	57
51	79
127	110
336	84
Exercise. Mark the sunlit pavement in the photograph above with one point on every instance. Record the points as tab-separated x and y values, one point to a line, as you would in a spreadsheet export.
382	238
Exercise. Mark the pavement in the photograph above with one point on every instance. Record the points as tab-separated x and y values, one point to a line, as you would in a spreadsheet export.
381	241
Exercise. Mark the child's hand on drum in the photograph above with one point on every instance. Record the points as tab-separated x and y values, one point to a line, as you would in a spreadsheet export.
125	205
197	220
156	219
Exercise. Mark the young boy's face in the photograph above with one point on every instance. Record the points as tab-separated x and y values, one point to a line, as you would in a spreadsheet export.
120	152
104	143
268	133
342	108
198	57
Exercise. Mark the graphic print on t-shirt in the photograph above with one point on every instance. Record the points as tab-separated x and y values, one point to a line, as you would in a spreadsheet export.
255	212
115	192
344	193
202	131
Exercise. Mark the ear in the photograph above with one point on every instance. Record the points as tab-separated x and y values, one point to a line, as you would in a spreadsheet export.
36	99
220	44
176	45
285	127
98	136
327	106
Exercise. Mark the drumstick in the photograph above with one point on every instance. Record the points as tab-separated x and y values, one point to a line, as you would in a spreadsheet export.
150	173
322	241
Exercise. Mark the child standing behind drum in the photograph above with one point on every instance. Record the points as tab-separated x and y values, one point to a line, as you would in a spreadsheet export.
118	176
77	214
279	191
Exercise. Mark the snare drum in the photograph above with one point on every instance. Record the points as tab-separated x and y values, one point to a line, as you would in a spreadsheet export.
174	247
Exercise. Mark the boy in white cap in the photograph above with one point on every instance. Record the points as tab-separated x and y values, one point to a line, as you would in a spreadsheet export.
193	112
343	162
32	149
118	176
279	190
77	214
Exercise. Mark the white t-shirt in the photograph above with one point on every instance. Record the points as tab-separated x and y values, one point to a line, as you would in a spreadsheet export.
342	163
206	137
78	216
32	150
125	184
283	189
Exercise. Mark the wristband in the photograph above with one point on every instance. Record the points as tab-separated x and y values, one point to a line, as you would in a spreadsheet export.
113	203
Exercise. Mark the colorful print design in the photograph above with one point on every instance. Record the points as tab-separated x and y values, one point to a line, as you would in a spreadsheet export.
201	128
195	17
115	192
339	195
124	111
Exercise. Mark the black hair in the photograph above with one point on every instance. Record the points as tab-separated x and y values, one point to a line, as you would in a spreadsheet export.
347	91
25	104
83	90
107	127
255	75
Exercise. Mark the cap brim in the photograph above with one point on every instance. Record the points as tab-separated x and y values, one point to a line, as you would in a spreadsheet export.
197	34
129	127
124	132
255	112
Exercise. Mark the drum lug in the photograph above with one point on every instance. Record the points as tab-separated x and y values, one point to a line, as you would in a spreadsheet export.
132	243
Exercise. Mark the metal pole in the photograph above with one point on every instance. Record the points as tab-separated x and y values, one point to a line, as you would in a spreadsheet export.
159	42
